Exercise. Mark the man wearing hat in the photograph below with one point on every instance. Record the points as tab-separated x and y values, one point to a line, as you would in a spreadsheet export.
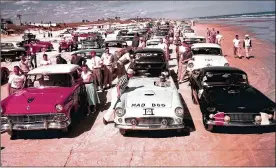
117	92
60	60
97	66
247	45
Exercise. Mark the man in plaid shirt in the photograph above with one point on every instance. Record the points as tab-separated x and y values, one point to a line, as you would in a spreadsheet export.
117	93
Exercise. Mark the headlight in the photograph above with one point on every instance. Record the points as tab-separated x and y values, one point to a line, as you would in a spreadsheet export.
59	107
226	64
179	111
120	112
190	65
211	109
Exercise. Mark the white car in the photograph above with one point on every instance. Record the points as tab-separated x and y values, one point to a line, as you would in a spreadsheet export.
153	43
151	102
188	33
206	55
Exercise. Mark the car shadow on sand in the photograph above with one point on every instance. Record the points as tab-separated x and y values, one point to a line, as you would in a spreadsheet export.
82	124
189	127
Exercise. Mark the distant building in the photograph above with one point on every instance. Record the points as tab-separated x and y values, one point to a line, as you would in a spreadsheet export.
5	22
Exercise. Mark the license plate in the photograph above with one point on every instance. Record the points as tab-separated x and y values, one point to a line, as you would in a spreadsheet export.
148	111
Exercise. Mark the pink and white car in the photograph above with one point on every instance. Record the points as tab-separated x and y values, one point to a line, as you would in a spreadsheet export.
51	99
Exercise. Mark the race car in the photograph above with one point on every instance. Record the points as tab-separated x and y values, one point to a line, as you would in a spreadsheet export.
152	101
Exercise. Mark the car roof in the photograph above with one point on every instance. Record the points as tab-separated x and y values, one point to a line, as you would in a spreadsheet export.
222	68
54	69
159	50
194	36
211	45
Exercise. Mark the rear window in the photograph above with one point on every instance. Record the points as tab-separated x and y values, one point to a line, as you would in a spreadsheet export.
150	57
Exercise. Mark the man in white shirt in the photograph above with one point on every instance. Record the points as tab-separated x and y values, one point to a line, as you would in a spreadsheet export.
97	63
16	80
142	43
236	45
108	61
125	59
45	60
247	45
24	64
161	45
219	38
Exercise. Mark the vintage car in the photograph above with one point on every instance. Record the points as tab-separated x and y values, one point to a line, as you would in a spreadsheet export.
121	33
205	55
153	43
188	33
68	45
90	45
194	39
159	35
116	45
151	101
227	99
51	99
5	72
28	36
11	52
38	46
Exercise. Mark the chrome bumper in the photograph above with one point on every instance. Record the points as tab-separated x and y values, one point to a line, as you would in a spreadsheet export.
36	126
150	127
241	124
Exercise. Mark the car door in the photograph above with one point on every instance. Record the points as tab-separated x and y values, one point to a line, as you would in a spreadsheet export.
79	89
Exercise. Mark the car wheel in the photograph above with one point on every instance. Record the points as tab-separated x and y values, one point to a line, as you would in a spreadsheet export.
70	49
59	50
193	97
123	132
12	134
208	127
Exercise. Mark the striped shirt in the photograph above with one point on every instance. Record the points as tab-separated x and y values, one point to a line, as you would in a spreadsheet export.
122	84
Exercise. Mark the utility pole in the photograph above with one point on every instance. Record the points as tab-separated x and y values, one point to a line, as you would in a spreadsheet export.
19	17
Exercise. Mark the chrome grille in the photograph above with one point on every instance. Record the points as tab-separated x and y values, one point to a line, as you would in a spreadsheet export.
242	117
149	120
31	118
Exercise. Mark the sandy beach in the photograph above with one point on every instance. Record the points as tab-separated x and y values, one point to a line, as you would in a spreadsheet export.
93	144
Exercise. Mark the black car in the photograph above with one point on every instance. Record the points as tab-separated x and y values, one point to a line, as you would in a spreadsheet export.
91	45
149	61
28	36
227	99
11	52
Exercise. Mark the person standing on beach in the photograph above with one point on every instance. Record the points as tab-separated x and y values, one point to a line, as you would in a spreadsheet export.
142	43
32	54
213	35
247	45
208	33
135	42
108	61
182	65
236	43
177	43
78	60
16	80
97	70
219	38
24	64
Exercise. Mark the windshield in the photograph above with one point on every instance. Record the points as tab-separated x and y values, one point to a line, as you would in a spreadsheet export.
49	80
189	31
127	38
194	40
206	51
161	33
115	44
153	43
91	45
224	78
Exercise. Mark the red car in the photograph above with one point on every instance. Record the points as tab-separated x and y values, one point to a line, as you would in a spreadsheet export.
68	45
38	46
51	99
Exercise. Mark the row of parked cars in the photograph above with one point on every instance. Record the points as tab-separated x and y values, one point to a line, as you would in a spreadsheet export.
151	101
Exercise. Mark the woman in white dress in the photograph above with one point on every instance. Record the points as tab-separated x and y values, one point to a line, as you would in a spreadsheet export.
92	95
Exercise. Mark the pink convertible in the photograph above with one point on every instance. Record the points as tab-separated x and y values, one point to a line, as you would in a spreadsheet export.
51	100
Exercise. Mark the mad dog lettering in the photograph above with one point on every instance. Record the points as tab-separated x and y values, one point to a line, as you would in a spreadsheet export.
138	105
158	105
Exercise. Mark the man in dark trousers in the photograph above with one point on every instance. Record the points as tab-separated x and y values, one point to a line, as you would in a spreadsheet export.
78	60
60	60
135	42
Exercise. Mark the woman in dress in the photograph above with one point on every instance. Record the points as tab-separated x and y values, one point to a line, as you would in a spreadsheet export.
92	95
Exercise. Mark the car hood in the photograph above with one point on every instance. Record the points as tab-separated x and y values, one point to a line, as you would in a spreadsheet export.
38	100
143	91
12	49
238	99
215	59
